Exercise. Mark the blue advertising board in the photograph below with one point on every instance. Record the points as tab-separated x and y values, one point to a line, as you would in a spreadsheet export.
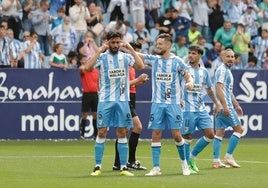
46	103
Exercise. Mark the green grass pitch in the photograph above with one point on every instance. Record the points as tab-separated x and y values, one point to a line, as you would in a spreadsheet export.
68	164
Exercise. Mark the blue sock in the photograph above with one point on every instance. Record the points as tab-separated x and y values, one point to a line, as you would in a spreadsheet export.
156	151
99	148
200	145
233	141
181	149
122	150
187	149
217	142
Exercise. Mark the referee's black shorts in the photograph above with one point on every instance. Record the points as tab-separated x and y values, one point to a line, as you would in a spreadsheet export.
90	102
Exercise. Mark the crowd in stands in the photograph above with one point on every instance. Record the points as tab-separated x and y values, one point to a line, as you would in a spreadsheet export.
33	32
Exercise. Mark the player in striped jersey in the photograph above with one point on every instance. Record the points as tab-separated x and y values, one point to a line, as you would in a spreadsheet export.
195	114
113	106
230	110
166	92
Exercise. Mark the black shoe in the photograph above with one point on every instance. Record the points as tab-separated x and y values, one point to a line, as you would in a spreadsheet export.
136	165
116	167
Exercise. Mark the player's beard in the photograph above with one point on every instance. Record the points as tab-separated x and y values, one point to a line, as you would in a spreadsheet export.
229	64
159	52
114	50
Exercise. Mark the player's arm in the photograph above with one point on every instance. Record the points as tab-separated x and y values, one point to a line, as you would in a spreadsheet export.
139	65
143	78
237	107
189	81
212	96
90	64
220	92
82	69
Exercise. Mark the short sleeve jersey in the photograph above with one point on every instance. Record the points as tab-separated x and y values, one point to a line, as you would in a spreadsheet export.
223	75
194	98
114	76
166	74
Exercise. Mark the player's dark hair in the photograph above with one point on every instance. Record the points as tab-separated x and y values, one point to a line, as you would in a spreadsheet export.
165	36
196	48
113	34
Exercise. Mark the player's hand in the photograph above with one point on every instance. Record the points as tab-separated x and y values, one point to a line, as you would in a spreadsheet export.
104	47
143	78
226	111
189	85
239	111
217	109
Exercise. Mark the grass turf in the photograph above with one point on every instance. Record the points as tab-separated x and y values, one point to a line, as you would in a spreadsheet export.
68	164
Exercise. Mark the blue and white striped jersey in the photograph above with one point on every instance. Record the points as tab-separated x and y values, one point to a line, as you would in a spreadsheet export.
114	76
166	73
5	48
224	75
193	99
32	59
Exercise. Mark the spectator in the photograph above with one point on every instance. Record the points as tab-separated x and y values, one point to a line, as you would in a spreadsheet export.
258	47
137	11
235	11
263	13
237	62
213	54
4	24
193	33
179	47
181	25
115	26
5	49
164	23
87	47
143	33
241	41
57	58
200	16
29	6
184	9
10	11
33	58
251	21
79	15
17	49
225	34
59	19
151	13
72	60
95	18
41	20
253	63
117	10
26	37
128	35
65	34
215	17
55	5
